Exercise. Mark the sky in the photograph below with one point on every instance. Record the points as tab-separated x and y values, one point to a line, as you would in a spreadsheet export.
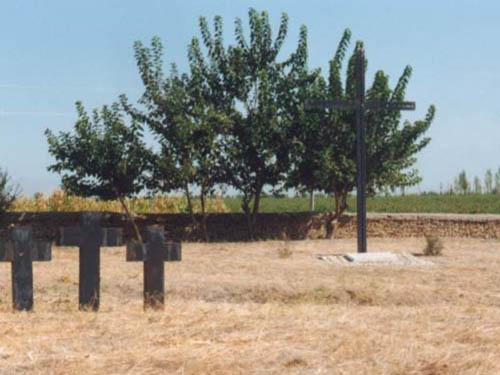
55	52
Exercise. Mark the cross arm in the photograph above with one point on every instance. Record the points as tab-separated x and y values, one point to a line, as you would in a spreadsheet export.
401	106
324	104
71	236
41	251
168	252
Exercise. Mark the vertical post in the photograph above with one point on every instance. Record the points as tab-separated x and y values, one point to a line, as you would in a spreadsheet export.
90	259
154	271
361	151
22	268
311	200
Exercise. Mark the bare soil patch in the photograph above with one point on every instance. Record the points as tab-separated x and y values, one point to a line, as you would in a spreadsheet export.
265	308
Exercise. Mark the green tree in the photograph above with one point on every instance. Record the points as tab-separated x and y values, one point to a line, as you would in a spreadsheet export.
104	157
256	148
497	181
8	192
326	157
463	185
488	182
186	114
478	189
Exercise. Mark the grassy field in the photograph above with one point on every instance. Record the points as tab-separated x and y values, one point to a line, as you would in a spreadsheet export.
467	204
463	204
264	308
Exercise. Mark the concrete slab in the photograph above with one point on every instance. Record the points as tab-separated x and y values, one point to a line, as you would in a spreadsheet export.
380	257
375	259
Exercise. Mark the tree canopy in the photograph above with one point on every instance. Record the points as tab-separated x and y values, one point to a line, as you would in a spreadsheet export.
238	119
325	139
104	157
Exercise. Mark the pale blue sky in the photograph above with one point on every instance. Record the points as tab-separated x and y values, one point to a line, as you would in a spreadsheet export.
55	52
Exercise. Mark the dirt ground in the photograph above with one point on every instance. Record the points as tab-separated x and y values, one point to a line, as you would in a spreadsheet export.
264	308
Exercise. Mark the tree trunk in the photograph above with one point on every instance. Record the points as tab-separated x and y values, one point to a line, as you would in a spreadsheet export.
245	206
203	214
311	200
131	218
190	204
340	206
255	210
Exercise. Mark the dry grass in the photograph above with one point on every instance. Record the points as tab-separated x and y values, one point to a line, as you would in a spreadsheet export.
242	309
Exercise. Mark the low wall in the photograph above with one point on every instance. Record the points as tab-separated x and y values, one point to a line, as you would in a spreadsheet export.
295	226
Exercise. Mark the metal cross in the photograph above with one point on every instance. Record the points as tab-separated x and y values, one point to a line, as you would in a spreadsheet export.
22	251
360	105
89	236
153	253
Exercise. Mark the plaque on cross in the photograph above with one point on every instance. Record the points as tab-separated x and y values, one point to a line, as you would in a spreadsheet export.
21	251
89	236
360	105
153	253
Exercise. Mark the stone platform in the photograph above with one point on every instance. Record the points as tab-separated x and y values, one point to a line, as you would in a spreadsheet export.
375	259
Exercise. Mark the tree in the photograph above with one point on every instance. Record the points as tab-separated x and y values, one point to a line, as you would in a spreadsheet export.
488	182
463	184
186	114
104	157
478	189
8	192
326	139
256	149
497	181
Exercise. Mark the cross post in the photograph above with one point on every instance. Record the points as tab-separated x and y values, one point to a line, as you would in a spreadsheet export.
153	253
21	251
360	105
89	236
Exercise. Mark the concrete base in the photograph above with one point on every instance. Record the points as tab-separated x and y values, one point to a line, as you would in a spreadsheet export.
375	259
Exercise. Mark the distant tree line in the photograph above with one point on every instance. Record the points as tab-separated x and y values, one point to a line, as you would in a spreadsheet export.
237	119
490	184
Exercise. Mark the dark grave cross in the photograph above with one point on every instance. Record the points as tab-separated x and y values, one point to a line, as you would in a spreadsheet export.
89	236
153	253
21	251
360	105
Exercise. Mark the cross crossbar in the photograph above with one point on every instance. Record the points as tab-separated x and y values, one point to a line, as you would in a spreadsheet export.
372	105
71	236
40	252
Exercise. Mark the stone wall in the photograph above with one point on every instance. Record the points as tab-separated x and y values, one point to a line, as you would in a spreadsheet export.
295	226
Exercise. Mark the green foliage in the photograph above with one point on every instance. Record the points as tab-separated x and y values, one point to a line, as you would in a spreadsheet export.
8	192
103	157
256	148
462	184
326	141
488	182
478	188
186	114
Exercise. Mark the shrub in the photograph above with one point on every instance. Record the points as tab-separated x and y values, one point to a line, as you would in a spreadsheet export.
8	193
434	246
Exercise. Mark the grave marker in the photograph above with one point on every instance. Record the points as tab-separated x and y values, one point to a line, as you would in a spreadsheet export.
360	105
153	253
21	251
89	236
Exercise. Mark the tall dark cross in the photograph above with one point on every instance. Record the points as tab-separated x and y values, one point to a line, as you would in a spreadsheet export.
21	251
89	236
153	253
360	105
